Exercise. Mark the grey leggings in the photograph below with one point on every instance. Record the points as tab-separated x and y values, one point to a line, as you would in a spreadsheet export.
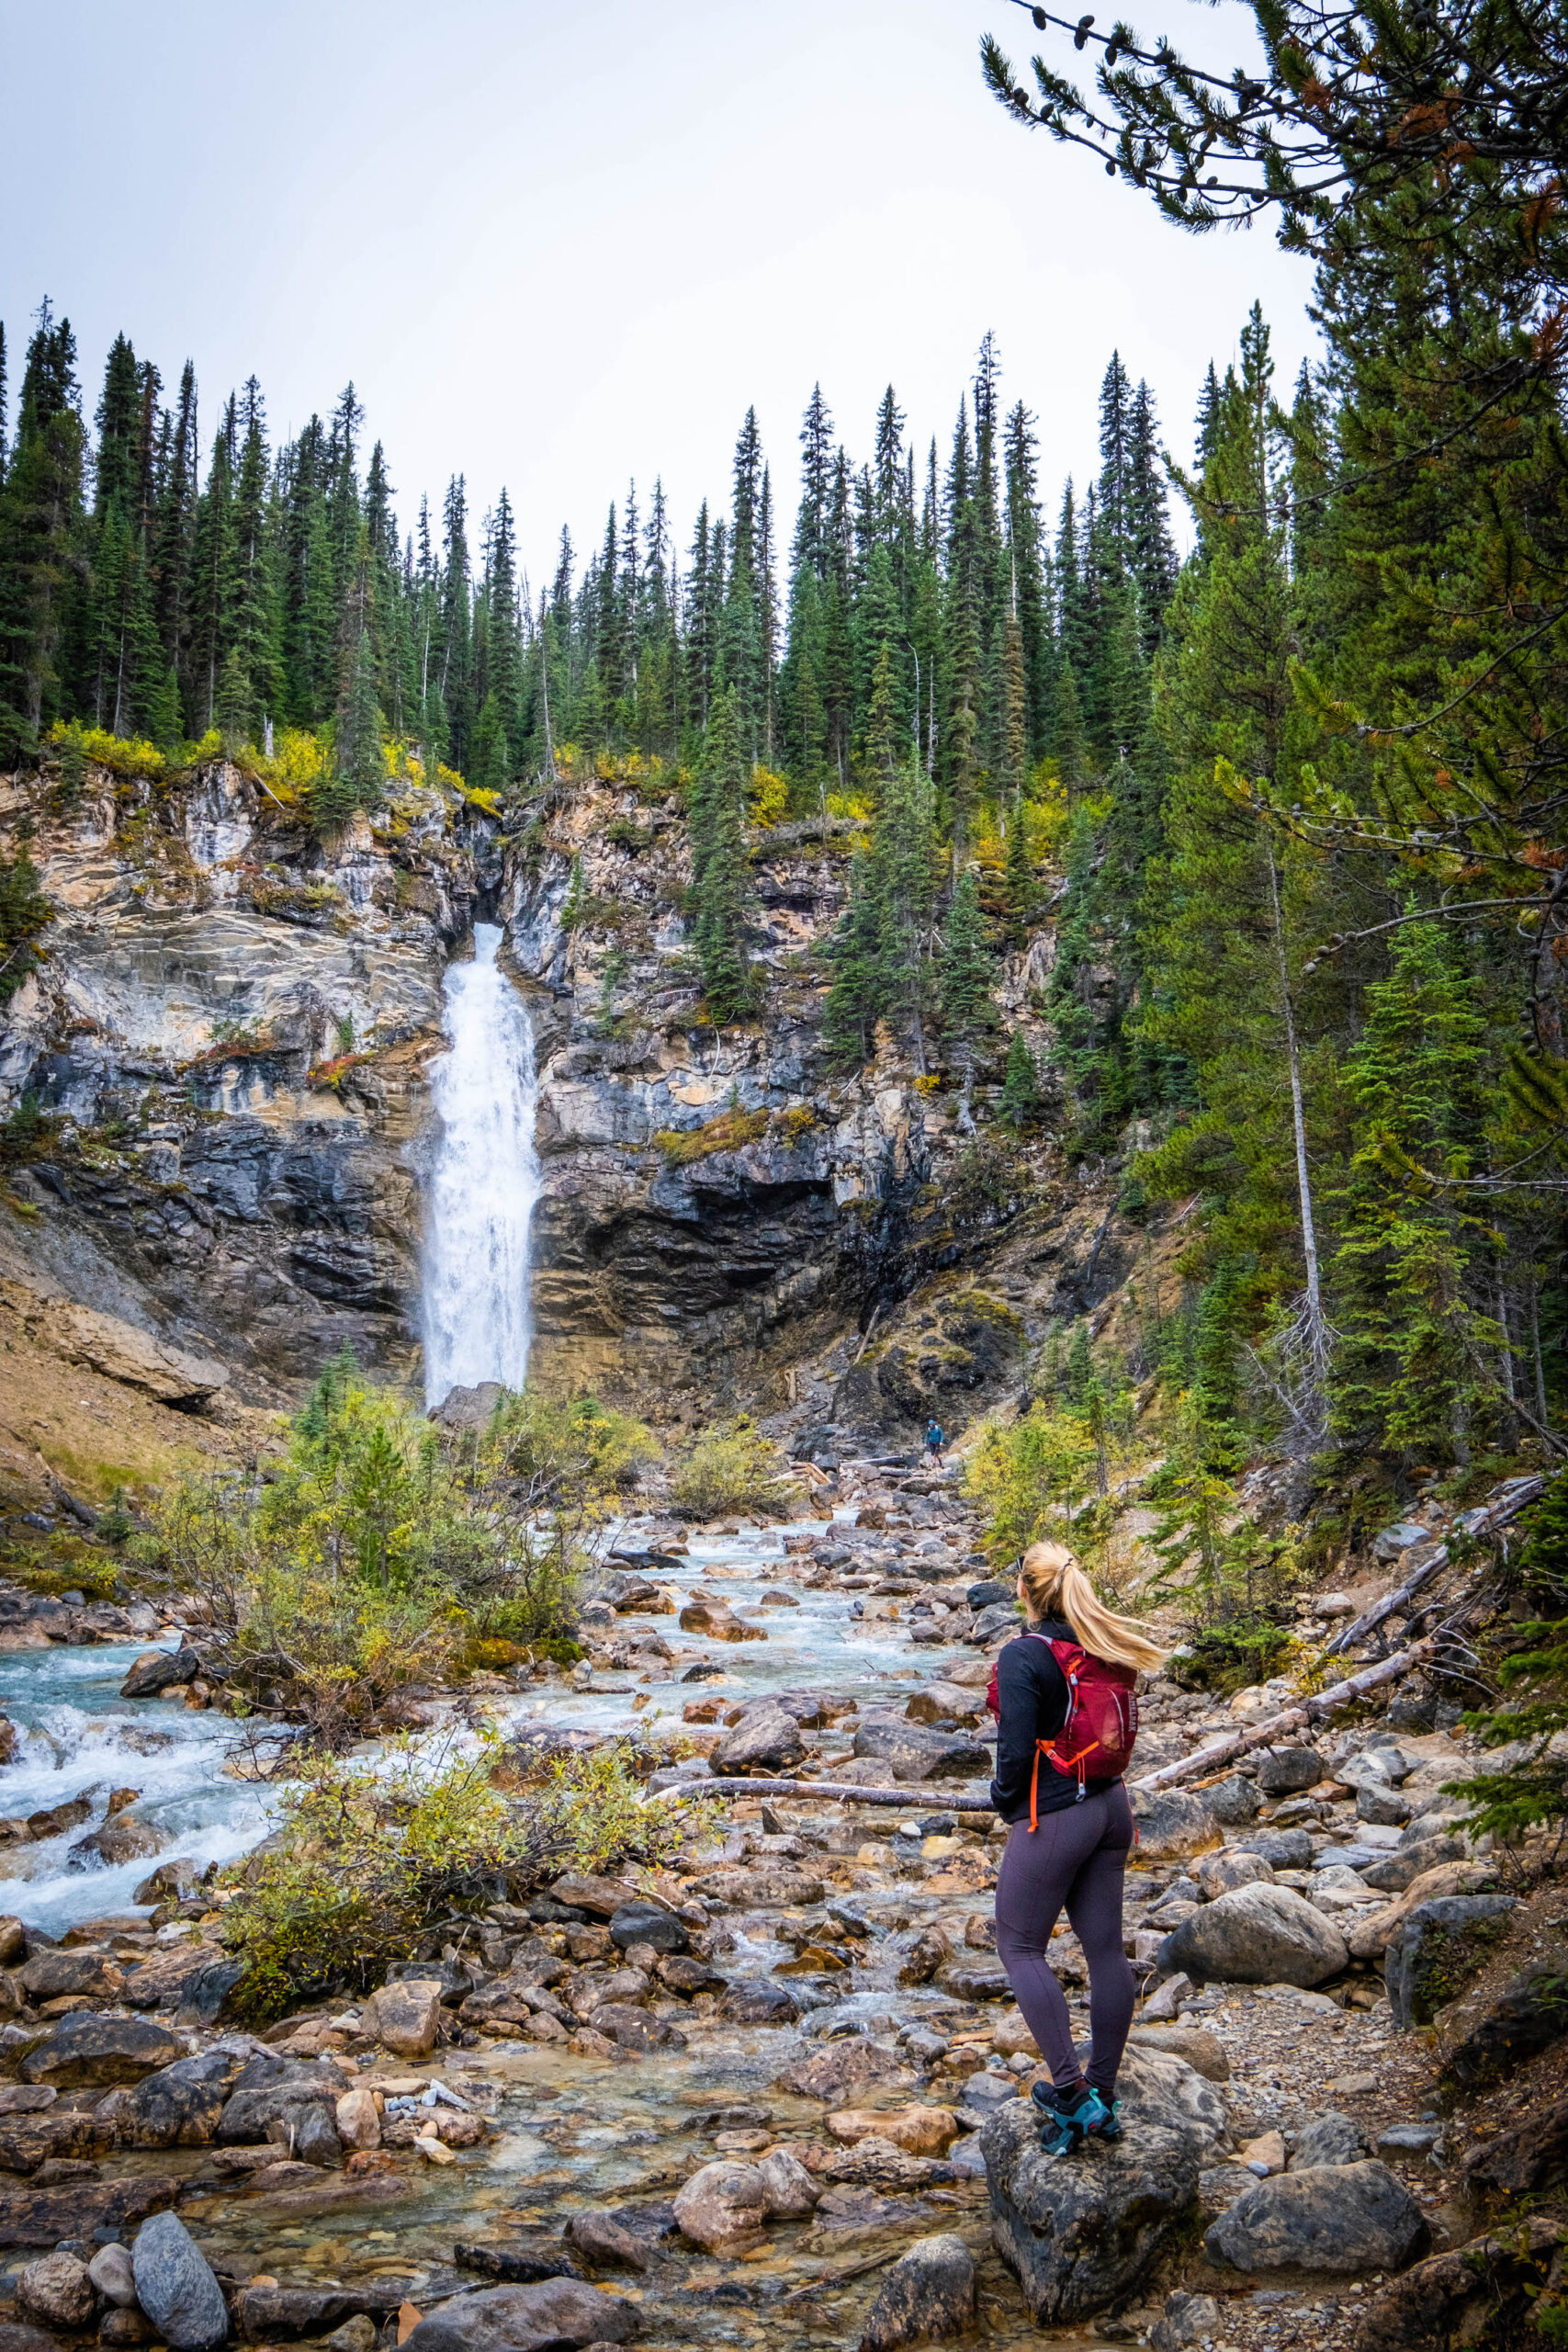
1074	1861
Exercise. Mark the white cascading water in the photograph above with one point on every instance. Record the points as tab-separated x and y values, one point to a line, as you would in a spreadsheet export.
483	1184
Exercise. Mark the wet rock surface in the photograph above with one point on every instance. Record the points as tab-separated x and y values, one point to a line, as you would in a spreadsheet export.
719	2090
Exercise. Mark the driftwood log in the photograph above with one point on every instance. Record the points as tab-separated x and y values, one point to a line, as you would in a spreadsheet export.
1193	1767
1511	1499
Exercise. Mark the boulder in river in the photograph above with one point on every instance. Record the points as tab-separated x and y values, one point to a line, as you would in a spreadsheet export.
642	1922
765	1740
843	2070
88	2049
758	2000
928	2296
179	2106
1084	2236
722	2208
553	2312
1337	2218
57	2291
1256	1934
404	2016
123	1839
176	2288
918	1753
157	1670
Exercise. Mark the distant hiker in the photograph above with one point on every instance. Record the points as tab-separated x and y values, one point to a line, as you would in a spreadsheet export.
933	1440
1062	1691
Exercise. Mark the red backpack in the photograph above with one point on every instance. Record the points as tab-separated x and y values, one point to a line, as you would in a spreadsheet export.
1102	1720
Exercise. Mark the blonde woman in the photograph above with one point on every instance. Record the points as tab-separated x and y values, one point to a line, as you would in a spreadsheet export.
1071	1672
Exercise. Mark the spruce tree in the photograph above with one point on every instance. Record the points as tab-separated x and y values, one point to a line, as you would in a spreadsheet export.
853	954
1020	1101
40	537
719	867
965	975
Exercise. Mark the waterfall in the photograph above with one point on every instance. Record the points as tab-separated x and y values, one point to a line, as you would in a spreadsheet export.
483	1184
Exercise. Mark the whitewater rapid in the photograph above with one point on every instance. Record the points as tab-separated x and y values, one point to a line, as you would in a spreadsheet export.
483	1184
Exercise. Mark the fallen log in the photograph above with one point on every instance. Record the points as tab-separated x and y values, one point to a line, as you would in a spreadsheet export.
1263	1735
1512	1498
918	1793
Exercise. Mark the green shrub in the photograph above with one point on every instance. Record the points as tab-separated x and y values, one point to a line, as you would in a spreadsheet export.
376	1548
374	1861
1231	1656
734	1470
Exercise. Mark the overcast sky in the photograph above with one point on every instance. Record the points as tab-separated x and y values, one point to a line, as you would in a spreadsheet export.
555	246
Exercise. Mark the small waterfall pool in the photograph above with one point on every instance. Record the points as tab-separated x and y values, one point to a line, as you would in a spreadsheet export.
80	1738
484	1181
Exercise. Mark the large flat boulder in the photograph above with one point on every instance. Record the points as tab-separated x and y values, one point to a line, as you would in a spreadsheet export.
88	2049
918	1753
1439	1946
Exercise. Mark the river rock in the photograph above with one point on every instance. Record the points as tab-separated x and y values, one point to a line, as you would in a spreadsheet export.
357	2119
606	2243
1217	1873
123	1839
918	1753
1281	1772
1256	1934
1370	1932
765	1740
1337	2217
13	1940
633	2029
1084	2236
789	2192
757	2000
113	2275
1283	1850
918	2130
58	2291
174	2285
179	2106
87	2048
51	1975
648	1922
876	2163
157	1670
265	2314
1389	1808
42	2217
1233	1802
1170	1824
1186	2320
1194	2045
542	2318
405	2016
945	1703
718	1621
1329	2138
1392	1874
928	2296
1438	1948
602	1897
843	2069
722	2208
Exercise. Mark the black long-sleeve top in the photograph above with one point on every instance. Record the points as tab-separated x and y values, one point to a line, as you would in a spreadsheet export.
1032	1694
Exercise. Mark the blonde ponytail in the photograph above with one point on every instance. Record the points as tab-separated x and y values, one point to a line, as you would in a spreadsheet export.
1055	1585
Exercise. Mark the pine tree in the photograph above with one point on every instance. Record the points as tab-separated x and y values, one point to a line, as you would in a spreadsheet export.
965	975
719	875
1020	1101
40	533
1412	1260
853	953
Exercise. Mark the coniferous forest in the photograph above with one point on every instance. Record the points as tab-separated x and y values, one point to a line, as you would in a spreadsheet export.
1294	803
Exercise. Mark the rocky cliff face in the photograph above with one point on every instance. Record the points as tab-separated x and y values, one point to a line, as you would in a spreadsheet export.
228	1043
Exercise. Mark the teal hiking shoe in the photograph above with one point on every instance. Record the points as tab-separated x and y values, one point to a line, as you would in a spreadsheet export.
1067	2117
1110	2128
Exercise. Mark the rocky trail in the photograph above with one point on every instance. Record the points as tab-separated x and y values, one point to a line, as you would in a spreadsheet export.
775	2096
